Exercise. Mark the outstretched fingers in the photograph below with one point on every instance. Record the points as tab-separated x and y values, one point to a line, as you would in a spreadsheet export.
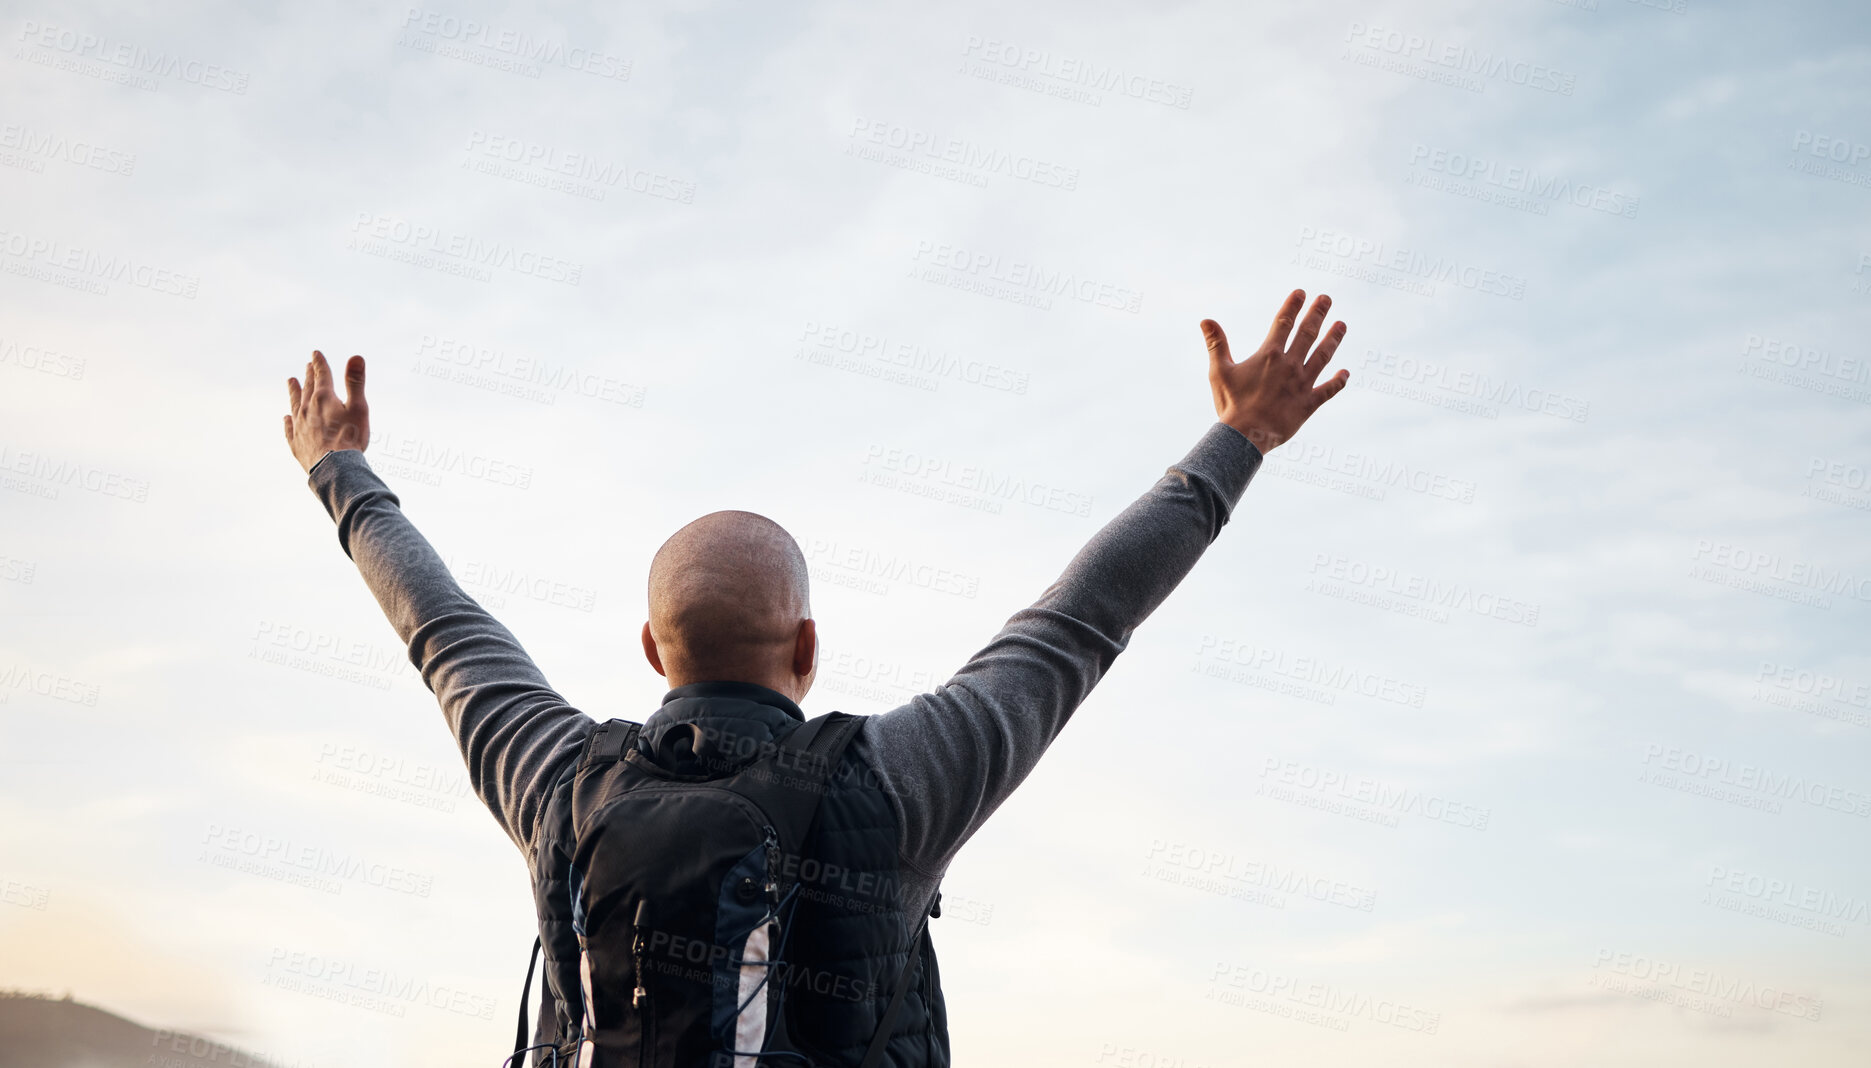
354	385
321	372
1323	354
1218	355
1309	328
1328	389
1283	321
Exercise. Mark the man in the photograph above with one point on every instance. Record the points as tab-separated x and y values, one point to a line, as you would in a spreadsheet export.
730	627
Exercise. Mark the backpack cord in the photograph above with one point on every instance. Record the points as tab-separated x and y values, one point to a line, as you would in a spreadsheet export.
777	959
543	1045
873	1054
778	956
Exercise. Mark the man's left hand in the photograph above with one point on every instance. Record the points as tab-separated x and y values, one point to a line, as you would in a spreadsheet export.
320	422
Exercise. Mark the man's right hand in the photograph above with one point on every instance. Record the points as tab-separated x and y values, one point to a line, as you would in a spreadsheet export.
319	421
1271	393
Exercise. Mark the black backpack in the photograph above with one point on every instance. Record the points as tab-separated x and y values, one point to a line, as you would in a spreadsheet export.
683	889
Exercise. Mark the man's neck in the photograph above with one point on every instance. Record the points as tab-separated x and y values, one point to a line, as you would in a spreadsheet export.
738	689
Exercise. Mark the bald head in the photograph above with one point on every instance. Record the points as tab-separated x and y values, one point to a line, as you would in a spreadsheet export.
728	593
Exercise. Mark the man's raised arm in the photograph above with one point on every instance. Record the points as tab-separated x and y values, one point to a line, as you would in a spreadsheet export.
514	731
951	757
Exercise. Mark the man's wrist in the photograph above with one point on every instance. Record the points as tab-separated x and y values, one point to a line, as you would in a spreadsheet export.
321	459
1263	440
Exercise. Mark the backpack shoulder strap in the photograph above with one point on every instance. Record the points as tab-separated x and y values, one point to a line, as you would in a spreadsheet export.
521	1039
789	782
880	1038
552	840
609	743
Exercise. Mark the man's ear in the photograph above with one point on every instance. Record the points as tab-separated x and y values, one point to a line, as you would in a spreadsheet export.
806	649
649	650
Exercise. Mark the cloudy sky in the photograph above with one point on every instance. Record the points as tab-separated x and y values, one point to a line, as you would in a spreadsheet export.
1521	716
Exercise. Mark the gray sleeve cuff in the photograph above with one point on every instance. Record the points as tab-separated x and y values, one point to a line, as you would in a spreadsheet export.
1224	459
341	479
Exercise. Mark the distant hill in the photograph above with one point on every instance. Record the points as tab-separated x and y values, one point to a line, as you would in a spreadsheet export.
38	1031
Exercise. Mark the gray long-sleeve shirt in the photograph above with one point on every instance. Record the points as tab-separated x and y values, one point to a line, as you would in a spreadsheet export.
946	759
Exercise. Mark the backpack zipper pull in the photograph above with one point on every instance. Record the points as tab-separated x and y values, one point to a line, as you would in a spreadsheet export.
636	957
773	866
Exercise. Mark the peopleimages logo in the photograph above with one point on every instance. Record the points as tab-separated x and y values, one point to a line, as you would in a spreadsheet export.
46	361
91	270
1814	692
1836	149
391	237
56	472
1076	71
1411	269
1225	865
367	987
1385	800
35	145
1807	358
503	47
1309	668
1469	66
1523	180
868	569
1019	281
974	478
972	160
1706	774
1744	568
131	60
389	444
1786	901
1463	389
1709	983
20	676
919	361
1395	587
579	173
309	864
1380	472
1232	982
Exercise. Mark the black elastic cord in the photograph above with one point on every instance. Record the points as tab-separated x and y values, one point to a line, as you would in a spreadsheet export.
543	1045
